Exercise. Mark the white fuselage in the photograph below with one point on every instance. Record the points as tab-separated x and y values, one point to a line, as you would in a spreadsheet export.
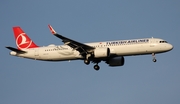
119	48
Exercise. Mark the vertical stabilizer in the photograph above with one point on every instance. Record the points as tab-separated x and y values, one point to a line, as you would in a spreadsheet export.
22	39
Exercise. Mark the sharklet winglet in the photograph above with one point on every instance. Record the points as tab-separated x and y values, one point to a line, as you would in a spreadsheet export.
51	29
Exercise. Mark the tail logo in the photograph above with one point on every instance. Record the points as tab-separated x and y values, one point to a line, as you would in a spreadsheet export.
22	42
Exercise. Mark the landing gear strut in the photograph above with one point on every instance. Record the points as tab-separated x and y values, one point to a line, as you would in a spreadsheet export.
86	61
154	58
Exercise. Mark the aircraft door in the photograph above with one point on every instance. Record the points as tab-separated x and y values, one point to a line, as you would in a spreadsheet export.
36	53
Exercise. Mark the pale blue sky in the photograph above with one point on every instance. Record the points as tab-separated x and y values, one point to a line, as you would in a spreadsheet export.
139	81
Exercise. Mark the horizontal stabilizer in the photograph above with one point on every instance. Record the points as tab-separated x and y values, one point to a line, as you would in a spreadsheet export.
15	50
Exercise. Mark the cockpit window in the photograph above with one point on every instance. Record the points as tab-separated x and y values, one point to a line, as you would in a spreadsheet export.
163	42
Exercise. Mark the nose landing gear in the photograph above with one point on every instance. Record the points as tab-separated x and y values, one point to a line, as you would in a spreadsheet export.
154	58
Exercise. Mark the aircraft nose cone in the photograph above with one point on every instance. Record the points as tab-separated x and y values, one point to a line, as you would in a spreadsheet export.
170	47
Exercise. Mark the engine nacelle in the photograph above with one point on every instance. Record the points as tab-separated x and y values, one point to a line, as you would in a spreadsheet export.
116	61
101	52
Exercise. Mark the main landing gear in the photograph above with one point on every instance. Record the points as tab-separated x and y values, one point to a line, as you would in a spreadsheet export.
88	59
154	58
96	67
87	62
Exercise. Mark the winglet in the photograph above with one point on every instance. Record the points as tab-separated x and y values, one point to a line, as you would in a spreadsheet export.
51	29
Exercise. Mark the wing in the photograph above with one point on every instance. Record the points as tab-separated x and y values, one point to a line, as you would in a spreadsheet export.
82	48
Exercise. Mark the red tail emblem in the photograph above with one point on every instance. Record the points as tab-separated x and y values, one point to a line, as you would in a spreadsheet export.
22	39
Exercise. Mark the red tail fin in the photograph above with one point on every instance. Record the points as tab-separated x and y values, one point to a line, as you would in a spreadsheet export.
22	39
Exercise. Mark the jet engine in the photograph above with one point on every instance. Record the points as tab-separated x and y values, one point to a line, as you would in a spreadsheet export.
101	52
116	61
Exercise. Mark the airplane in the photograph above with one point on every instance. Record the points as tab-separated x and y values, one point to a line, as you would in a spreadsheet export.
111	52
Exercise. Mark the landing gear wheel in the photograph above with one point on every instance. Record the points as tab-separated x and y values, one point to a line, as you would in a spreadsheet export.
154	60
96	67
87	62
